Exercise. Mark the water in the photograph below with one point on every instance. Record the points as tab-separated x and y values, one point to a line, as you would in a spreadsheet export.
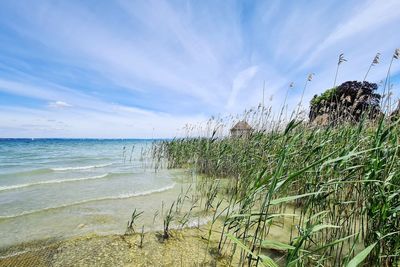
53	188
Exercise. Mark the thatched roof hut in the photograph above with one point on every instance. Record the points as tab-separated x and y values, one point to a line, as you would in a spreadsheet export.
241	129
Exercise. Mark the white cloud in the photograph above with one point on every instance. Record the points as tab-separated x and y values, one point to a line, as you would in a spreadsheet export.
59	104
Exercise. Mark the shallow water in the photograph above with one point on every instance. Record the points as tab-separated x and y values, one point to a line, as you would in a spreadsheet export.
59	188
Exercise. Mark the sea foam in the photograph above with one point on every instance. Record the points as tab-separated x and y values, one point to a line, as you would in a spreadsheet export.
18	186
81	167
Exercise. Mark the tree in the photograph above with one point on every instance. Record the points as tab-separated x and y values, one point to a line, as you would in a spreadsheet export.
349	101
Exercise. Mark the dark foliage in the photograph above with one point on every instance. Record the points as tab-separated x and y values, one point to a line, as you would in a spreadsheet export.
349	101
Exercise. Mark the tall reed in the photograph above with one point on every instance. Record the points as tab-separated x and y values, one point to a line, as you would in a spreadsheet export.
337	188
342	185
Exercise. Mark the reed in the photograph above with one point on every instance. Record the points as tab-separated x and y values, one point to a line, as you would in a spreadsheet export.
340	61
141	237
386	102
334	191
169	217
341	184
131	223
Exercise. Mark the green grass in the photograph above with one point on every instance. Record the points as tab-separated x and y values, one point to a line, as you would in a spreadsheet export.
340	184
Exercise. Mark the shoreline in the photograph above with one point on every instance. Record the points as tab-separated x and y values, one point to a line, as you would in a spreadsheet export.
57	250
189	245
101	217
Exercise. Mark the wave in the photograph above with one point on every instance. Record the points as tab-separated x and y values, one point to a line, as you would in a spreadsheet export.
121	196
18	186
81	167
50	170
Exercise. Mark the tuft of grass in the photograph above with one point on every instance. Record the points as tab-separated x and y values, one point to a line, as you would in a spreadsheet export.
131	223
169	217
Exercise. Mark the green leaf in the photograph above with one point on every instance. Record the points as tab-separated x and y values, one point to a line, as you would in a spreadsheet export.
335	242
293	175
320	227
267	261
323	247
360	257
348	156
324	213
240	244
271	244
291	198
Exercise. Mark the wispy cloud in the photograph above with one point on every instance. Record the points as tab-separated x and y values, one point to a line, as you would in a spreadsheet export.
372	21
239	83
147	65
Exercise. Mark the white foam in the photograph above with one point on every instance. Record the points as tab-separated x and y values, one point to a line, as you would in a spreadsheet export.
81	167
18	186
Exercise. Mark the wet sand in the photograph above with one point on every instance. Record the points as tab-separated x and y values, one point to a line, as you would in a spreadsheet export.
100	217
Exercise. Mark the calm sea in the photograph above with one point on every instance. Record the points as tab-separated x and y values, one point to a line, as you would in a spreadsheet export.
52	188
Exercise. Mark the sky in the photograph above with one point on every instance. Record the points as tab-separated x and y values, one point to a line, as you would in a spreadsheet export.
145	69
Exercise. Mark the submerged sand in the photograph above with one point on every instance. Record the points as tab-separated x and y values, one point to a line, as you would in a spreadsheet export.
187	247
190	246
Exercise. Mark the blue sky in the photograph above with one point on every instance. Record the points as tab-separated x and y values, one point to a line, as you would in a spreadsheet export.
146	68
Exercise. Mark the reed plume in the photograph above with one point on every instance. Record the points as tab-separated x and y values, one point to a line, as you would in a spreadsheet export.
340	61
374	62
396	55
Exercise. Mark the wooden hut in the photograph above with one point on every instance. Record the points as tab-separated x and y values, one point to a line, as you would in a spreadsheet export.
241	129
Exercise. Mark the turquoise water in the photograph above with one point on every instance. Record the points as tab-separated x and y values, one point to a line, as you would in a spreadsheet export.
59	187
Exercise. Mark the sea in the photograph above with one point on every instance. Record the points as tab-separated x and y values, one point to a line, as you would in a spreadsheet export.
51	189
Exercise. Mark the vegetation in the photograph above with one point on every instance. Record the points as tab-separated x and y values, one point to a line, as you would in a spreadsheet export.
340	187
334	191
141	237
130	229
347	102
326	96
169	217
